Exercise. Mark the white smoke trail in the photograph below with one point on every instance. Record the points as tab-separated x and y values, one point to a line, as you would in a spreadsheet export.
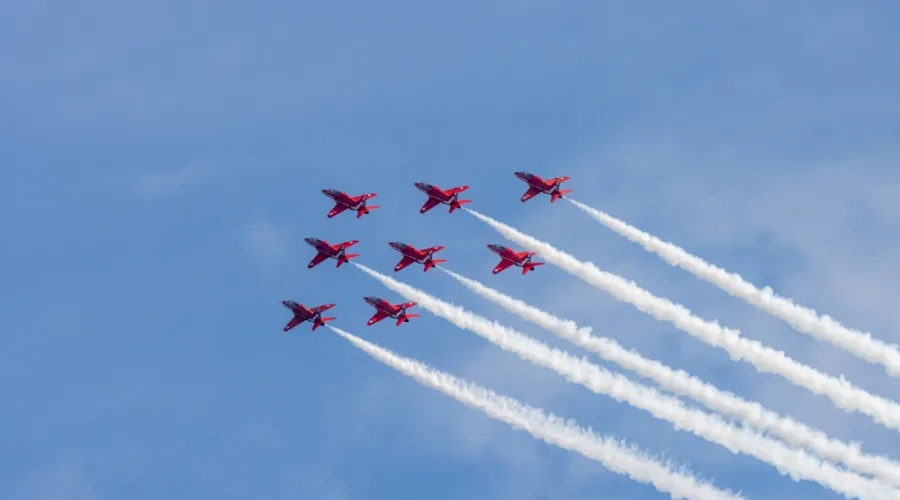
681	382
619	458
796	464
767	360
802	319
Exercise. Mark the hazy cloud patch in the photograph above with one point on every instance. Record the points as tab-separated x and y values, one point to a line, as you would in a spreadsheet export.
265	241
168	182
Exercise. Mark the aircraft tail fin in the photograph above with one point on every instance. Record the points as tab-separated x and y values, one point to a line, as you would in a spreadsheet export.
531	266
405	318
364	210
346	258
321	321
433	263
559	194
458	204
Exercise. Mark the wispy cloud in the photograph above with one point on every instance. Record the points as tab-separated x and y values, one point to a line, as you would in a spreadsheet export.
64	480
266	242
172	181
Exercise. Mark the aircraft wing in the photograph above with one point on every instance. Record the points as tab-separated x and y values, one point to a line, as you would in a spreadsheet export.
303	311
347	244
338	208
296	320
531	193
408	304
321	256
380	315
504	264
559	179
405	261
431	203
321	308
457	189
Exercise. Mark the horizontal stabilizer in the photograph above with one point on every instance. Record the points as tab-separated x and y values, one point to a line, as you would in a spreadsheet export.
364	210
433	263
405	318
346	258
457	204
531	266
321	322
559	194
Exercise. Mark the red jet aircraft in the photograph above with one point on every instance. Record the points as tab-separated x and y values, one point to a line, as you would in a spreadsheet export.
412	254
509	258
302	314
386	309
536	186
327	250
344	201
437	196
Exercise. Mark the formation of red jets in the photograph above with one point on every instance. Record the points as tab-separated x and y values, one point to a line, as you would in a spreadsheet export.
410	254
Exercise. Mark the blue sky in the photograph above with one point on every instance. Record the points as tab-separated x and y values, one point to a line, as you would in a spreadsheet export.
166	160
